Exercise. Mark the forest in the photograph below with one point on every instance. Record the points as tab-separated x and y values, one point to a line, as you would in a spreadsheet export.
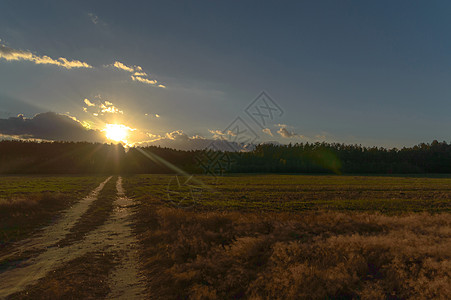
25	157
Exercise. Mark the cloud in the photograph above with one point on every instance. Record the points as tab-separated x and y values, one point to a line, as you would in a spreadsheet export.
177	135
152	115
138	74
267	131
121	66
181	141
153	137
103	107
94	18
176	140
283	132
144	80
49	126
11	54
218	134
89	103
108	107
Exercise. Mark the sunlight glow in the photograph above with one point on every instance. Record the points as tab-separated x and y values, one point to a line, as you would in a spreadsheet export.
117	132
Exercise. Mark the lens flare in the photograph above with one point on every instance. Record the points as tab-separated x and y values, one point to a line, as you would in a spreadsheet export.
117	132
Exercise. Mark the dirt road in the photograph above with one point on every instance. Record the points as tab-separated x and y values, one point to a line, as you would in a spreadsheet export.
44	255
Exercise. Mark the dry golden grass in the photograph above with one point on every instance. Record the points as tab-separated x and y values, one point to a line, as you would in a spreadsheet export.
21	202
313	255
21	214
30	202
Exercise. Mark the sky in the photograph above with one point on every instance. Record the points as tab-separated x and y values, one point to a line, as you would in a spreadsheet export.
184	74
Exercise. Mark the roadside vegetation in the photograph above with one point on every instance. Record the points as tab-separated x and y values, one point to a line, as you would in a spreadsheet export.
29	202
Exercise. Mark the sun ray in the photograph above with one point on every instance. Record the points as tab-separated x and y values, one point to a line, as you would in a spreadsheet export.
117	132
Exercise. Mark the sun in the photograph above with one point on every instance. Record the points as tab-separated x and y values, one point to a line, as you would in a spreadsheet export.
117	132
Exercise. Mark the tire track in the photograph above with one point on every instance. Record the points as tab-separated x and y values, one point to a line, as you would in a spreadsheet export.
126	282
97	214
114	236
51	234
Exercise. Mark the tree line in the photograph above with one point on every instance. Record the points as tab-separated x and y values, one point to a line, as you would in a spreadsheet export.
25	157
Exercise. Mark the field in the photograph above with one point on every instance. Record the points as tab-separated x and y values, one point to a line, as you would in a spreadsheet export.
28	202
297	192
244	236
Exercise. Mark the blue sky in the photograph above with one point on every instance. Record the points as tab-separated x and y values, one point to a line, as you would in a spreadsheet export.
365	72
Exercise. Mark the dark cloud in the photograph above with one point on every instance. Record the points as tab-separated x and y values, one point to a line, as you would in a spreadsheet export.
49	126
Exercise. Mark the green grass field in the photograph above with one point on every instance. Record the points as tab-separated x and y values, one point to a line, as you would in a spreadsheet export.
297	192
11	186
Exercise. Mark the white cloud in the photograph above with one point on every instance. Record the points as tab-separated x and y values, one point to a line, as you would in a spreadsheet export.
231	133
89	103
101	107
180	140
143	80
140	74
108	107
112	110
11	54
218	134
285	133
267	131
154	137
121	66
177	135
152	115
